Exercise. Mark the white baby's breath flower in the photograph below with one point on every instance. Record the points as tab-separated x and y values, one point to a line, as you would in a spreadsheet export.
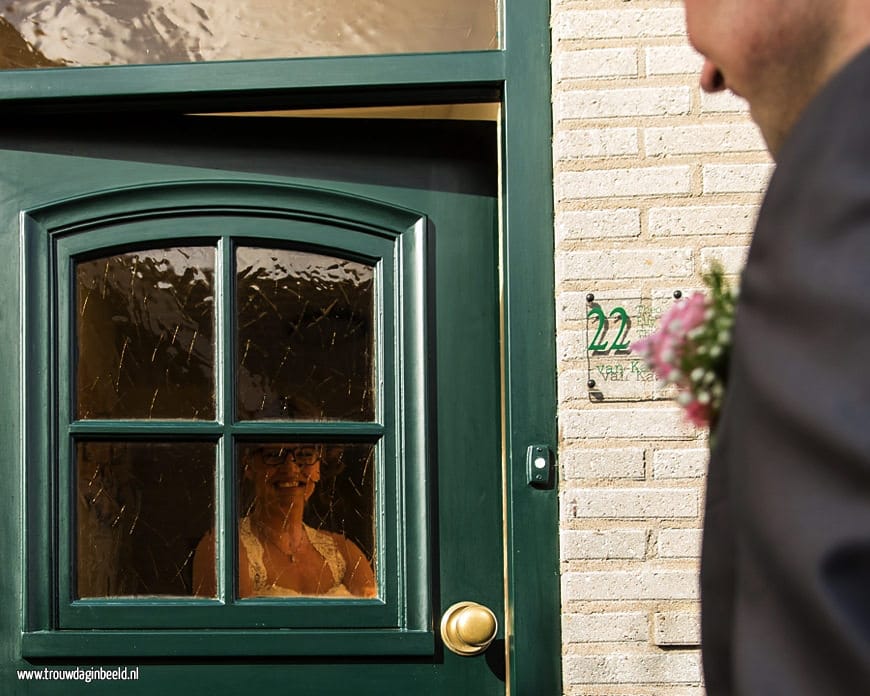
690	348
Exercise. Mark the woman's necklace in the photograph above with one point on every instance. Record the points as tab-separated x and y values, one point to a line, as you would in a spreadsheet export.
290	554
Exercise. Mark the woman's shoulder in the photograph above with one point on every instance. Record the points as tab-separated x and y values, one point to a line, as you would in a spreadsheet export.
355	568
337	540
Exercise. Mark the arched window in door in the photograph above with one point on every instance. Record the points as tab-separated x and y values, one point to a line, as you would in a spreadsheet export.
239	406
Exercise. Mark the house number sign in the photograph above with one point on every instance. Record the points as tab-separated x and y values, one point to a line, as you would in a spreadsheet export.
614	373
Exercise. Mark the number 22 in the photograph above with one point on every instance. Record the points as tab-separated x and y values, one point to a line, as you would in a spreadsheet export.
619	343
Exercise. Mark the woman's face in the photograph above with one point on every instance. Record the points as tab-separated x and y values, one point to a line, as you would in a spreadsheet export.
283	474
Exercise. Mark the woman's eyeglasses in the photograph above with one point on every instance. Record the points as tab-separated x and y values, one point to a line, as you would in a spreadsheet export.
304	456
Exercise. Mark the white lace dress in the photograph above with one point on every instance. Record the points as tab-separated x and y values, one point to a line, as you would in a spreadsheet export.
322	542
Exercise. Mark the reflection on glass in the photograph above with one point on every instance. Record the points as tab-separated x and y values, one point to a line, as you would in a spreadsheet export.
141	509
306	520
305	347
145	330
36	33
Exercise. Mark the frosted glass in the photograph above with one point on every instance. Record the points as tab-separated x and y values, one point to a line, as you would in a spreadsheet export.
40	33
145	335
142	508
305	347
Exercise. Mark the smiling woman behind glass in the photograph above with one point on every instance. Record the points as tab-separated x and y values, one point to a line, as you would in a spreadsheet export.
280	555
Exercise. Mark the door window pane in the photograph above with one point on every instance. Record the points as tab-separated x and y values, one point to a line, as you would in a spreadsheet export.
142	508
306	520
306	331
301	328
39	33
144	329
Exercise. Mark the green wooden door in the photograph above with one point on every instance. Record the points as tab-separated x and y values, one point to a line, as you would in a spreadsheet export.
114	458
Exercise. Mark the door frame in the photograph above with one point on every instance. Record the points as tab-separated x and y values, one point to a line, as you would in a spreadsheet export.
517	76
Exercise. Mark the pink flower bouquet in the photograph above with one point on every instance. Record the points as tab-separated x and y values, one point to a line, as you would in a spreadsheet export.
690	349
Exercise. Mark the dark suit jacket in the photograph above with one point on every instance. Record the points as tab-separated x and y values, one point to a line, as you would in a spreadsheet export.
786	558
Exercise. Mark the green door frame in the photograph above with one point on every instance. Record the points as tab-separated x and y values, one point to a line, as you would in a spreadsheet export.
518	75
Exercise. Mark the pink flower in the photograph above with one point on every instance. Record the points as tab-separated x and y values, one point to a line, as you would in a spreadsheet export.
690	349
698	414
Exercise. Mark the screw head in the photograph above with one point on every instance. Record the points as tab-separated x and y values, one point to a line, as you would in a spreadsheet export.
591	384
678	294
590	298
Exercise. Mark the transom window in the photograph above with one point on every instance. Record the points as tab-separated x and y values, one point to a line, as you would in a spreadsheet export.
35	33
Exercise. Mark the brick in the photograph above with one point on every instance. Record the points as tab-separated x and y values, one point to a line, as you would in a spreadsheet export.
732	259
702	220
683	140
627	102
572	385
603	545
609	183
630	503
597	224
612	627
681	691
680	463
633	668
630	585
736	178
571	345
596	63
609	463
673	60
572	306
614	24
595	142
723	102
679	543
681	629
612	264
659	423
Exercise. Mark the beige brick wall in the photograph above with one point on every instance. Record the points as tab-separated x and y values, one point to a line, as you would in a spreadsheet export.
653	180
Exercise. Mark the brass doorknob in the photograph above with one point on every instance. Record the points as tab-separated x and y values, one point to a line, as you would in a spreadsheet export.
467	628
